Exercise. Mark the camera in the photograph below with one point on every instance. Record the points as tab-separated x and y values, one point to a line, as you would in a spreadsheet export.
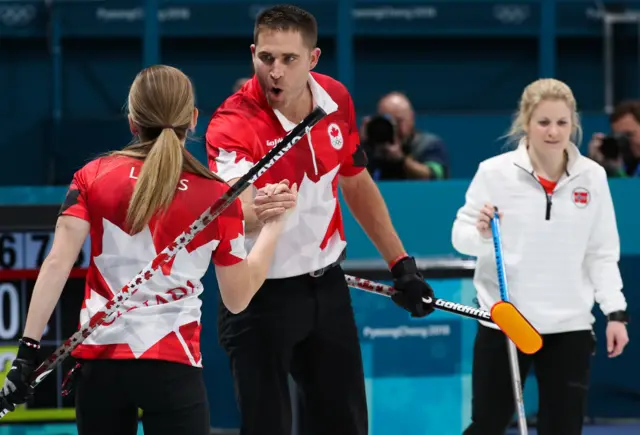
613	145
380	130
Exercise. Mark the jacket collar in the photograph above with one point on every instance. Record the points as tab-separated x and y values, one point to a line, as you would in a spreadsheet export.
574	158
320	98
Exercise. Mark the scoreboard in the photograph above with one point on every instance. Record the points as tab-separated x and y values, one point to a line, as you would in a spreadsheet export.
27	250
26	236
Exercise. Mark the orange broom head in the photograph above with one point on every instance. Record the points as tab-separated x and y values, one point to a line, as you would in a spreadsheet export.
516	327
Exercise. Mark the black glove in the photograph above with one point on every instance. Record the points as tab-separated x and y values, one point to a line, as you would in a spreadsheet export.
17	389
411	288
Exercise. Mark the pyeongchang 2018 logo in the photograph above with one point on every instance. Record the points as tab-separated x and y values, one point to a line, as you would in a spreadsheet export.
403	331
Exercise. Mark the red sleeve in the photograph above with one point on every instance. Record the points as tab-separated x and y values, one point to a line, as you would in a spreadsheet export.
232	145
231	249
75	203
355	157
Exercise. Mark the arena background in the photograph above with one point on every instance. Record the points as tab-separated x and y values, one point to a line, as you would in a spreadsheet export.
65	69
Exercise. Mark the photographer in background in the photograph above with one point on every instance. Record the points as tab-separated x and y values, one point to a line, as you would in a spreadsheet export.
396	151
619	153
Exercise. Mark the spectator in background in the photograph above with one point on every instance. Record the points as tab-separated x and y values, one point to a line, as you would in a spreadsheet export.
619	153
397	151
240	83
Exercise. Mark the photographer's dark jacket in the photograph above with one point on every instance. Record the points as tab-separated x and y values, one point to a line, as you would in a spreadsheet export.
429	149
425	148
630	166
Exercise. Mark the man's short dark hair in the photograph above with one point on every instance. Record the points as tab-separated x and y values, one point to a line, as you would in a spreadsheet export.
628	107
288	18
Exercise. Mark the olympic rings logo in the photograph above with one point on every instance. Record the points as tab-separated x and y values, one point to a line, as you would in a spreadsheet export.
15	15
512	14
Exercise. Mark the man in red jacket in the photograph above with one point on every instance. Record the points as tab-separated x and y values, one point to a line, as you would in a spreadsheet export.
301	321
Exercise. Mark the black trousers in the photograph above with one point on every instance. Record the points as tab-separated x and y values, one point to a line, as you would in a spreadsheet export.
561	369
172	397
303	326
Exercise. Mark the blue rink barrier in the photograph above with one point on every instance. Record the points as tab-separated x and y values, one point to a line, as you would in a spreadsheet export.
417	371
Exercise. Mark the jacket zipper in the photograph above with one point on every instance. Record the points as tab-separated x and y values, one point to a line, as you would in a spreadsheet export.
548	214
313	153
548	196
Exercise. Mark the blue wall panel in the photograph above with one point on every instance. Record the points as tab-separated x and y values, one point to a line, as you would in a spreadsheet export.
450	62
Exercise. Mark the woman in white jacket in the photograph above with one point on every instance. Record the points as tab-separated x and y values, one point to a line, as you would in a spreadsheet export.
561	251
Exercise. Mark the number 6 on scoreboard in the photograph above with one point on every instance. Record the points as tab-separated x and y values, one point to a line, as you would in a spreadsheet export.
9	256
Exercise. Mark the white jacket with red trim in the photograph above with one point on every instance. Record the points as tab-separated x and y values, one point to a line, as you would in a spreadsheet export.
560	251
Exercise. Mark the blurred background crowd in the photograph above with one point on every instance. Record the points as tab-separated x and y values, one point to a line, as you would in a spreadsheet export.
434	85
439	81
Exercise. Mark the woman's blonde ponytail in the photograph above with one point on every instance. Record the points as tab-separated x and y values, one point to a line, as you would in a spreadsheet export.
161	109
157	181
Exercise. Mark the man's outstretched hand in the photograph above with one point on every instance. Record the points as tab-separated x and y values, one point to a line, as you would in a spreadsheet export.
273	200
411	288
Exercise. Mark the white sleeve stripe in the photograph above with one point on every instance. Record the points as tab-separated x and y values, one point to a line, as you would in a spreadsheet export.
228	169
238	249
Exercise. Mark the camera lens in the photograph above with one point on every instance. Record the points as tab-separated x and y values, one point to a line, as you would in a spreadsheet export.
380	130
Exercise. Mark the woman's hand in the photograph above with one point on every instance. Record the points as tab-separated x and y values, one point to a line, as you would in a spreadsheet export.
273	200
484	220
617	338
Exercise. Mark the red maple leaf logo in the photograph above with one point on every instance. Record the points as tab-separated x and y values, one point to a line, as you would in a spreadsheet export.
335	132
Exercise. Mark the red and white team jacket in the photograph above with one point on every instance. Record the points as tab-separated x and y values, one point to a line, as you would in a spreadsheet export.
242	131
162	319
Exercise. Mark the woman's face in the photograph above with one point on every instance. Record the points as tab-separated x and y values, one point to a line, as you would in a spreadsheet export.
550	126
